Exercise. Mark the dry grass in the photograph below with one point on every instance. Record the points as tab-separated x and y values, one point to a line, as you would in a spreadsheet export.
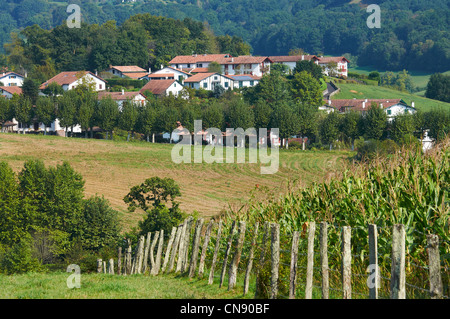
111	168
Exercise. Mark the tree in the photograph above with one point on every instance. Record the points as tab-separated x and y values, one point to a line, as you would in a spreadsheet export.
23	111
147	118
128	117
239	115
350	125
53	90
30	89
306	118
375	122
401	126
438	87
67	109
329	128
152	196
263	113
309	66
284	118
45	111
107	114
215	67
306	89
87	101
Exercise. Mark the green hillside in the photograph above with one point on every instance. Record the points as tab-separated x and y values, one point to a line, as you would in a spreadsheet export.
359	91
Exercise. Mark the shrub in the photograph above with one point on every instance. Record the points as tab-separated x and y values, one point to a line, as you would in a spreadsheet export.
19	258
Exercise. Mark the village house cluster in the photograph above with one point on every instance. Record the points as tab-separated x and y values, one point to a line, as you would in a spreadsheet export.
195	72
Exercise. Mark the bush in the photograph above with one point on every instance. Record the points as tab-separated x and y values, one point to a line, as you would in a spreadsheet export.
19	258
294	145
161	217
374	148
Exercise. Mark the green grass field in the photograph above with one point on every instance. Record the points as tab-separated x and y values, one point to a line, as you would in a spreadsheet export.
420	79
104	286
111	168
360	91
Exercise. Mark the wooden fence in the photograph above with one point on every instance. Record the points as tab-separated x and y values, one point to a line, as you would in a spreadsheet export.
191	248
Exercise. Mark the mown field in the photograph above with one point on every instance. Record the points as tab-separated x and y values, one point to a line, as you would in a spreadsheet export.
111	168
359	91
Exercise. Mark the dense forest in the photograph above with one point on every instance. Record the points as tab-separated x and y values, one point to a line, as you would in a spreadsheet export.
414	34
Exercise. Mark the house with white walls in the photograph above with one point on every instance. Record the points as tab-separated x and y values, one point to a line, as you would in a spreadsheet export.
70	80
246	64
392	107
122	96
244	80
167	73
162	87
9	91
127	71
189	62
208	81
337	66
11	79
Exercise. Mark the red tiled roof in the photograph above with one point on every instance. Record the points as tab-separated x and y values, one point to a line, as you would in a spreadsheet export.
161	75
182	71
118	95
157	87
12	89
199	76
200	70
245	59
291	58
66	78
328	59
136	75
128	69
185	59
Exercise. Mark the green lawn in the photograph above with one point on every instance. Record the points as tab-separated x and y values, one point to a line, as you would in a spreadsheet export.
360	91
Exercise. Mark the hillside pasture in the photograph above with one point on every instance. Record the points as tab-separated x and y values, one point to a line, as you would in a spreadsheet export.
111	168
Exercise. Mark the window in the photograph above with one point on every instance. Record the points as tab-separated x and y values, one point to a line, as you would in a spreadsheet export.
12	76
205	85
215	78
199	65
176	66
241	84
406	111
226	84
389	112
252	83
100	87
189	65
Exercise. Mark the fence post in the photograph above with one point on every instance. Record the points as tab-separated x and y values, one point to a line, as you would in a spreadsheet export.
398	279
346	263
434	266
275	251
373	261
262	256
176	244
128	266
152	252
159	252
119	261
167	255
201	266
216	251
323	241
140	255
99	265
250	259
293	270
181	246
232	272
227	252
310	263
187	236
195	247
146	251
104	267
111	266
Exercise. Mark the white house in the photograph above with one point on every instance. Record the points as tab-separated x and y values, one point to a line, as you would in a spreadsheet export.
339	64
246	64
162	87
209	81
11	79
70	80
244	80
392	107
168	73
189	62
130	71
9	91
123	96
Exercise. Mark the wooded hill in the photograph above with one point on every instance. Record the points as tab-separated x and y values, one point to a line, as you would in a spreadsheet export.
414	35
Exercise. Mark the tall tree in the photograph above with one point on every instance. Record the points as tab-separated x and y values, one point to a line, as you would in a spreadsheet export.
67	109
128	117
375	122
306	89
107	114
45	111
